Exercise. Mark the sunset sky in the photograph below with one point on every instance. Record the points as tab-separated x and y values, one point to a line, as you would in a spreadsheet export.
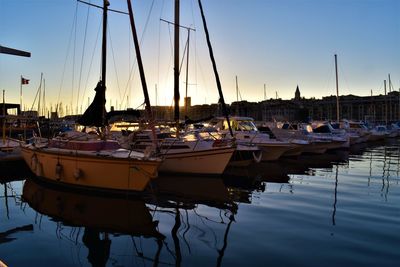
279	43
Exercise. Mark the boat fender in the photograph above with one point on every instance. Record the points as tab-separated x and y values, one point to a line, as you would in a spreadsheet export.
78	173
257	155
34	161
58	171
149	151
39	169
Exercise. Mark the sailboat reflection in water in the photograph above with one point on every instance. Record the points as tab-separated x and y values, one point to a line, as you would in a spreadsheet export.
99	216
168	224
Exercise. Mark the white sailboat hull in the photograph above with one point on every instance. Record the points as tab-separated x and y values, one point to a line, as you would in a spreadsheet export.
205	162
271	151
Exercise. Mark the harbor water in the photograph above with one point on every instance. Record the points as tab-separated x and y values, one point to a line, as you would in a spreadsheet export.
341	208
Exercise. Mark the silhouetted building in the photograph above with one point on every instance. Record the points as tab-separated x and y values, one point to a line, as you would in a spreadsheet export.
379	108
297	94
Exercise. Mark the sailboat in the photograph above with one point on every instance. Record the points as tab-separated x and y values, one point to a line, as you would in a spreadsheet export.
92	161
9	147
184	154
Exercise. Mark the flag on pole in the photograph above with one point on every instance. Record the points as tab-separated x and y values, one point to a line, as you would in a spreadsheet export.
24	81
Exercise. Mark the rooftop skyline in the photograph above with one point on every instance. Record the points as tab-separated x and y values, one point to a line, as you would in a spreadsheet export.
281	44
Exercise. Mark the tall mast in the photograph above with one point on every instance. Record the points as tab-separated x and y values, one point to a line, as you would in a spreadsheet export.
141	71
176	65
399	105
4	117
104	43
337	91
44	98
237	90
221	96
187	72
237	97
265	92
104	55
20	95
390	98
40	93
386	109
140	63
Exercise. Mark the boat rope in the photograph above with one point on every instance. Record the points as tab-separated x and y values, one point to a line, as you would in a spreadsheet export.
91	61
183	57
82	57
140	169
113	57
66	56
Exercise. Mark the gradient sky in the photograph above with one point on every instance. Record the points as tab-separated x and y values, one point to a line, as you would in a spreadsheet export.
280	43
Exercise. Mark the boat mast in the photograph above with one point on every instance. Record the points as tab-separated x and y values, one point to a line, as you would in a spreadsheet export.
187	72
337	91
237	97
265	92
141	71
390	98
104	55
176	66
221	96
4	117
386	107
140	62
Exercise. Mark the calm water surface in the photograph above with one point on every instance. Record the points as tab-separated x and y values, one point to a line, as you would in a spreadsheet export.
336	209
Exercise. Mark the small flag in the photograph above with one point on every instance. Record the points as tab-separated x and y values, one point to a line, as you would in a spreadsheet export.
24	81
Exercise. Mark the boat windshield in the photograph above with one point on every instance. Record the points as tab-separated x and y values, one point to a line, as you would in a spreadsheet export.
241	125
246	126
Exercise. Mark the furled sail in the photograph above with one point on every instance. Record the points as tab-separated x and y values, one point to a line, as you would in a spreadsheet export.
95	114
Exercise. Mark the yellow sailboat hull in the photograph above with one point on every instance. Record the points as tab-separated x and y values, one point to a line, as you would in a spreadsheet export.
91	170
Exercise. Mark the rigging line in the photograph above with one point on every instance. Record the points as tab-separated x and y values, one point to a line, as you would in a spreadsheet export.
183	58
330	76
195	47
195	63
198	63
192	9
73	66
170	40
83	55
158	53
66	57
159	42
130	56
130	79
141	105
147	21
344	78
171	56
113	56
37	92
91	61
